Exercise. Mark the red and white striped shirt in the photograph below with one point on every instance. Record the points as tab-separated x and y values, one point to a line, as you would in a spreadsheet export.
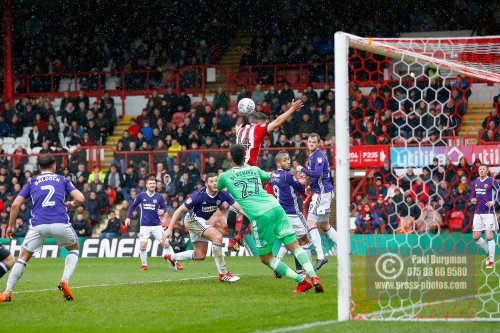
250	137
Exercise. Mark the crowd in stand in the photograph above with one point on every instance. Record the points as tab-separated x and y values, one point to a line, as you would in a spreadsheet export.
160	36
414	113
207	126
296	33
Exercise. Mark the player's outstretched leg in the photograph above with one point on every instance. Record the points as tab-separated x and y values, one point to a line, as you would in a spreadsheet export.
167	249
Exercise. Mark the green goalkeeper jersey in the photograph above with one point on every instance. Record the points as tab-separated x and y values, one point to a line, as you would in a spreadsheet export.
245	185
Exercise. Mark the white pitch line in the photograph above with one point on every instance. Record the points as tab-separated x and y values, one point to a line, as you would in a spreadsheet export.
116	284
301	327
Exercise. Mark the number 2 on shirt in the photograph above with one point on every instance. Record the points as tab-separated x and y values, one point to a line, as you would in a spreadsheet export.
46	202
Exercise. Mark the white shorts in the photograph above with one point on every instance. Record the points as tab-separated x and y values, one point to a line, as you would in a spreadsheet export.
64	234
319	208
145	232
484	222
196	226
299	225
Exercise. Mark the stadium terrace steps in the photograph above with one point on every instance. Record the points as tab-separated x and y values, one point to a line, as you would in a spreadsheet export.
231	58
123	124
473	119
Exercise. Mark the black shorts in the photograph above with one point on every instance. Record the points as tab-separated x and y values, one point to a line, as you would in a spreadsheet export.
4	253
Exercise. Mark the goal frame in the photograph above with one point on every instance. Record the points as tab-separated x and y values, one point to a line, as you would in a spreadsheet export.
341	53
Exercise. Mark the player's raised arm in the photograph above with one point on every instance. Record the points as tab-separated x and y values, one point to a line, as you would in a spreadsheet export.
296	105
14	212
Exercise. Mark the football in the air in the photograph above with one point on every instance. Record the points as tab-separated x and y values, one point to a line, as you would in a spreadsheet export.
246	106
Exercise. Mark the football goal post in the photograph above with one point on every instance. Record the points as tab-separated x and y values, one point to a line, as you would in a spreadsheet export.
407	253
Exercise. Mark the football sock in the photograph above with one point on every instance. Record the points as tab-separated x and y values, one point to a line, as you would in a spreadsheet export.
219	258
491	248
144	257
332	234
3	269
70	264
298	266
231	223
482	244
244	224
186	255
15	275
316	240
304	261
282	252
281	268
167	250
307	249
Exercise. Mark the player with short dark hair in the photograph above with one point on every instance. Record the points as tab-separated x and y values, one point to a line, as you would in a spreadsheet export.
319	208
286	189
269	221
484	194
49	219
200	207
250	137
152	208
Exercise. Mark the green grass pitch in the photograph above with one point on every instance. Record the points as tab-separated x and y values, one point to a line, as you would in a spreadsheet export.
112	295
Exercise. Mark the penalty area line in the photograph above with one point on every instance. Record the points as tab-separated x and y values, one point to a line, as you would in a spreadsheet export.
300	327
117	284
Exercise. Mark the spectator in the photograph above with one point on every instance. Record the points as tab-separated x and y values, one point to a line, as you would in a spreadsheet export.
286	95
113	179
243	94
420	191
36	137
81	226
177	241
92	205
113	227
367	221
377	189
258	96
97	176
220	99
429	221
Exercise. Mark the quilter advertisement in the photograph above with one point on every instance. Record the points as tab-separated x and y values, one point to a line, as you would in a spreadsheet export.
422	156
